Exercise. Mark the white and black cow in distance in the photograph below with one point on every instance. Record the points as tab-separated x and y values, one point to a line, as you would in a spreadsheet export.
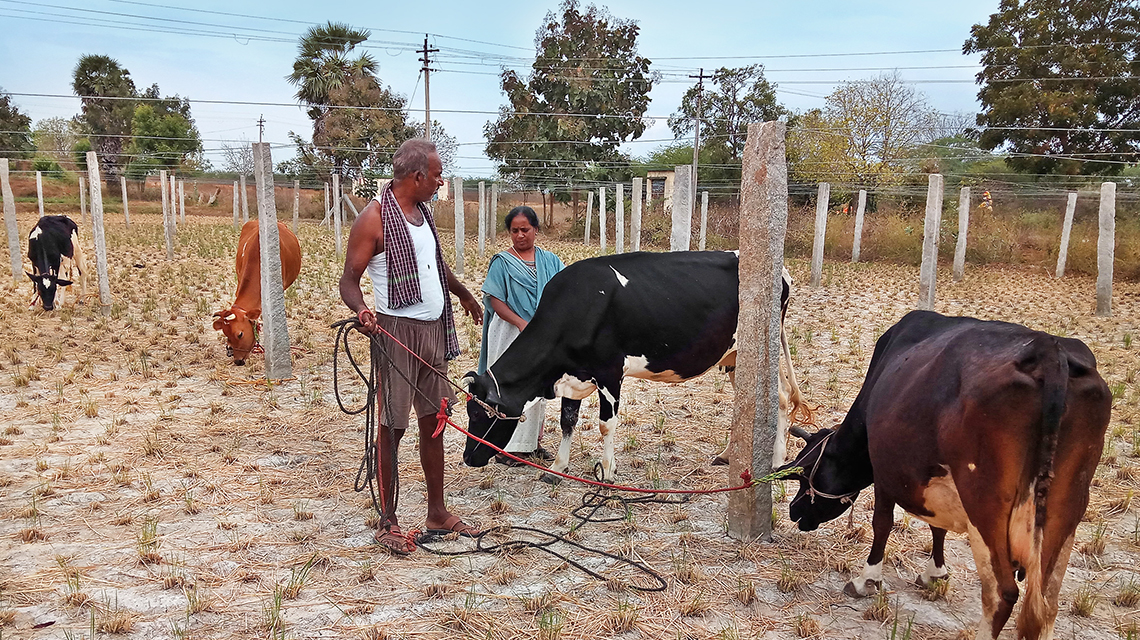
57	257
667	317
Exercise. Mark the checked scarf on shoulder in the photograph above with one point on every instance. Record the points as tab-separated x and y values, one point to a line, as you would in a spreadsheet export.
403	277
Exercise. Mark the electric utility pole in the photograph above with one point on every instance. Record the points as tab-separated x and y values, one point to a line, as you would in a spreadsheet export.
700	78
260	128
427	85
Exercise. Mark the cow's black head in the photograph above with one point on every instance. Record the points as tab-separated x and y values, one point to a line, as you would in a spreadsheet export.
822	469
46	286
495	430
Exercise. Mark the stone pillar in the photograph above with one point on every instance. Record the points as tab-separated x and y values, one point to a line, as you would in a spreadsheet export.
822	199
963	227
619	219
589	216
857	245
493	214
460	227
244	201
667	194
602	219
328	207
1066	229
14	256
648	192
237	197
704	218
275	329
83	201
167	223
928	272
296	203
763	224
635	217
126	206
482	250
182	200
173	208
100	237
682	208
1105	248
335	212
40	192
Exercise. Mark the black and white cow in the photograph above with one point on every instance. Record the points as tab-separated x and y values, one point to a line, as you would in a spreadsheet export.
57	257
978	427
668	317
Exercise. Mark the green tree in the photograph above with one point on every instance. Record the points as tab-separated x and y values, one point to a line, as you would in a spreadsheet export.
359	137
105	90
325	63
15	130
1060	87
586	63
733	98
163	138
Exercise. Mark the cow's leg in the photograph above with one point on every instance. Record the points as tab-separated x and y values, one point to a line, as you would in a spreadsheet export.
999	589
871	579
569	419
936	565
609	393
722	459
79	262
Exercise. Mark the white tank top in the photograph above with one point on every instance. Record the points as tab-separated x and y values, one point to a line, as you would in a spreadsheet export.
431	292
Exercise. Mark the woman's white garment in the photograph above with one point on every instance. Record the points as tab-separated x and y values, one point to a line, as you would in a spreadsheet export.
431	305
500	335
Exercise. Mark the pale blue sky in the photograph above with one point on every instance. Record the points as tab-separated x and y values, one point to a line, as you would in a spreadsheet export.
41	42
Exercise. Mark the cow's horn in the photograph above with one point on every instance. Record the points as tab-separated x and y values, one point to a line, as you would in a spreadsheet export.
466	382
798	432
230	318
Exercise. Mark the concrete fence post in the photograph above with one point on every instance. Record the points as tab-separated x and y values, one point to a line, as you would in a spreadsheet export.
336	212
173	208
14	255
704	218
328	206
681	235
635	217
602	219
493	214
296	204
126	205
237	199
40	192
182	201
482	246
589	215
1105	249
1066	230
822	200
275	329
244	200
928	272
460	226
963	227
763	225
619	219
83	200
857	244
167	222
100	237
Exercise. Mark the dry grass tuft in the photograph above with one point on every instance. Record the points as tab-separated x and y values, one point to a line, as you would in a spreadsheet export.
31	534
805	626
880	608
624	618
936	590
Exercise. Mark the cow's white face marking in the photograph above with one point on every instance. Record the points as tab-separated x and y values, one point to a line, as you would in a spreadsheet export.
37	232
621	279
570	387
47	283
941	499
869	580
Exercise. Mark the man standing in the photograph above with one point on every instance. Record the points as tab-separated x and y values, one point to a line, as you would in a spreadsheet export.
394	239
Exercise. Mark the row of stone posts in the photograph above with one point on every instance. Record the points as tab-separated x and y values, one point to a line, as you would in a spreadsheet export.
681	201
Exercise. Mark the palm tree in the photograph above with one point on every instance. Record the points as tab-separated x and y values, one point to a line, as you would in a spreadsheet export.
325	63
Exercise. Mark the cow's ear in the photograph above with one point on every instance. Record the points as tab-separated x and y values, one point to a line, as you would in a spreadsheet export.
253	315
62	283
30	276
218	324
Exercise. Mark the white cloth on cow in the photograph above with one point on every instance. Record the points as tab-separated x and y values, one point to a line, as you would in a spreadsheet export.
500	335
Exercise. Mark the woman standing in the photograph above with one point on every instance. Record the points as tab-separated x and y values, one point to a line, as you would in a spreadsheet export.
515	279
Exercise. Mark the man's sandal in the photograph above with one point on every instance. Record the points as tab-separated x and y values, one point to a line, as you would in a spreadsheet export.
394	540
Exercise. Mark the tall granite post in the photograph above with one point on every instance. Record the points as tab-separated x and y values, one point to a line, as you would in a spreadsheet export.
126	205
237	199
336	213
682	208
1105	248
182	201
857	245
619	219
493	214
275	329
589	216
460	226
602	219
40	192
14	256
167	221
963	228
244	201
635	217
100	237
296	204
928	272
704	218
482	227
822	200
763	224
1066	230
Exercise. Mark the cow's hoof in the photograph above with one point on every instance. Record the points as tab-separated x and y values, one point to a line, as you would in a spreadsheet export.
550	479
870	588
930	582
719	461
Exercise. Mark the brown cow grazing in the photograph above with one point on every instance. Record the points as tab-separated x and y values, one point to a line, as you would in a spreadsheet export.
984	428
238	322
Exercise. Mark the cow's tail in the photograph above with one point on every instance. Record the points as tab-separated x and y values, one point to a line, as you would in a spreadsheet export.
798	411
1052	369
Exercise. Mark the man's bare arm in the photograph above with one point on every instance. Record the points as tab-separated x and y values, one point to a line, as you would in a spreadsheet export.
365	240
466	300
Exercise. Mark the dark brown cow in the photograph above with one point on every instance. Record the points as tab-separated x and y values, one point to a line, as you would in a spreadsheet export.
984	428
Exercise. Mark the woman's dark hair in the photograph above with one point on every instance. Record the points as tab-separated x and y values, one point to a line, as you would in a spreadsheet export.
531	216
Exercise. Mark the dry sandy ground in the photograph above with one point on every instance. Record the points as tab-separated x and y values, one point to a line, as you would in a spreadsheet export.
150	489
